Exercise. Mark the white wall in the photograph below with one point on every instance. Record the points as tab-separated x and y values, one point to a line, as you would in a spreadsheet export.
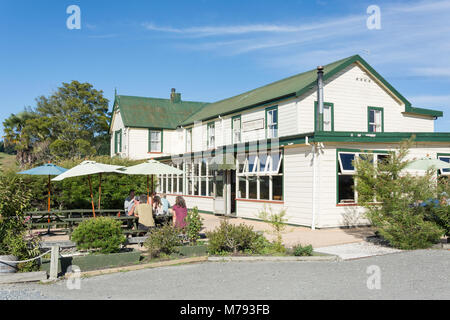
351	97
333	215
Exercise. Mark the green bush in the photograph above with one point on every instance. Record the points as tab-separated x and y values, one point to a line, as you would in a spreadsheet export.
15	198
103	235
277	221
440	216
300	250
235	239
393	200
194	225
162	240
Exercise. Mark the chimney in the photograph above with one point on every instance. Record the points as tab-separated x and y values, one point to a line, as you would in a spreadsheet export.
174	96
319	115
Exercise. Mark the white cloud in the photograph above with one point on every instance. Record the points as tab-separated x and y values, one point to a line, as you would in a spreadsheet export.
432	71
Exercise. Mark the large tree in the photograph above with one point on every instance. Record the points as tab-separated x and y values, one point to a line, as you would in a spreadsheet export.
71	123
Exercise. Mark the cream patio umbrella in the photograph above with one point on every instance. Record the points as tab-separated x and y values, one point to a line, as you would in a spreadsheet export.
427	164
149	168
88	168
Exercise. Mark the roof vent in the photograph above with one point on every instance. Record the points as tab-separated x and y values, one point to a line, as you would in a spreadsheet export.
174	96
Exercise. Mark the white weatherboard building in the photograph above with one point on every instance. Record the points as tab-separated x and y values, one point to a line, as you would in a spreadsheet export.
277	153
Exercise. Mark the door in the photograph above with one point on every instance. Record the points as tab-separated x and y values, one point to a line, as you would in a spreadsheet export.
220	192
233	191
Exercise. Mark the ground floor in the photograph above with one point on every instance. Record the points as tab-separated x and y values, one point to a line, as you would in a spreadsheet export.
313	182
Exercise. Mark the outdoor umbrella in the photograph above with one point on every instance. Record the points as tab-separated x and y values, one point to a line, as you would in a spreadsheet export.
48	169
427	164
150	167
88	168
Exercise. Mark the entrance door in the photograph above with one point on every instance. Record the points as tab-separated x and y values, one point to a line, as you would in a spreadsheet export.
220	192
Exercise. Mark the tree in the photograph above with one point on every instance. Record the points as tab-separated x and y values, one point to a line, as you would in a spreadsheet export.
393	198
69	124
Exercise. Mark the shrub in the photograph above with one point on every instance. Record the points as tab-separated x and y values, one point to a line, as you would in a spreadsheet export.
393	200
300	251
278	223
234	239
101	234
194	225
440	215
162	240
14	200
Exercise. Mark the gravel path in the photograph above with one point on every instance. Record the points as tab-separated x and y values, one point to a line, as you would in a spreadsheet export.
419	274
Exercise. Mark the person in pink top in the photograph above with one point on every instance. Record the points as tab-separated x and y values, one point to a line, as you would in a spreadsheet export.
179	212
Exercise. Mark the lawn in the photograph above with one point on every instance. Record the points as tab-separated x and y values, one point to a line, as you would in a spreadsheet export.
7	161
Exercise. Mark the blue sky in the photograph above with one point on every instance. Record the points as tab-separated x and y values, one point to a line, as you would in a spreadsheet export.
210	50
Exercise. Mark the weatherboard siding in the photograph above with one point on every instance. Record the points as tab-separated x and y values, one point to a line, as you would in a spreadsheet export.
333	215
351	98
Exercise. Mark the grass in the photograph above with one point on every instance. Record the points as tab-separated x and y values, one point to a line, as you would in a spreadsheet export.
7	162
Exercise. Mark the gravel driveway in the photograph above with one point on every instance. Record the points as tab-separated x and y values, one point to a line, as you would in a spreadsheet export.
419	274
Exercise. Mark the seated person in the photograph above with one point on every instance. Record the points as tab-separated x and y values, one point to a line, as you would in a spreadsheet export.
143	211
129	202
179	211
165	203
158	212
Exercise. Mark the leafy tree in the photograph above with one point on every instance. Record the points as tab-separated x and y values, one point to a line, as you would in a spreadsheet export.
71	123
392	198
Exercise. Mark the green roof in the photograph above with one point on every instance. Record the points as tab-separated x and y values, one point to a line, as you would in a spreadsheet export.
294	86
162	113
140	112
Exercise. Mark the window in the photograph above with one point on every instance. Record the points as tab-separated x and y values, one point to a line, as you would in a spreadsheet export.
375	119
154	141
211	135
118	141
328	116
189	140
446	158
346	172
236	129
260	176
272	122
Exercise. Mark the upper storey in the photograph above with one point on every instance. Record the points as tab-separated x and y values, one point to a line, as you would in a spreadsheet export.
357	99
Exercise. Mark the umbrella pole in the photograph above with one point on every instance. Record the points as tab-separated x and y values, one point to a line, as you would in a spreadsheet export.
152	190
48	206
148	192
92	196
99	192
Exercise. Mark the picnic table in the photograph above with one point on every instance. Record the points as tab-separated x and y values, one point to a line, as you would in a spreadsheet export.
67	220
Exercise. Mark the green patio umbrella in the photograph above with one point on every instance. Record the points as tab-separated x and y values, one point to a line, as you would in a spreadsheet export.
88	168
427	164
149	168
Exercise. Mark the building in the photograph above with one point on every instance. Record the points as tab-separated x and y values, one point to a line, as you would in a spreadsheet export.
279	150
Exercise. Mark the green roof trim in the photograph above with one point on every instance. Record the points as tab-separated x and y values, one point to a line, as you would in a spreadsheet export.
140	112
425	112
336	136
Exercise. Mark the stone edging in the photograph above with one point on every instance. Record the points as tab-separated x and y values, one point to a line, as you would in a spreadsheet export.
275	258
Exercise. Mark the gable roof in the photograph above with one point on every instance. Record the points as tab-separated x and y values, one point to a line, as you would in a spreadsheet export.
294	86
141	112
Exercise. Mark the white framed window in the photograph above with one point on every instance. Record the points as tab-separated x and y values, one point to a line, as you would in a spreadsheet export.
237	129
188	140
272	122
445	172
155	141
346	173
375	119
211	136
327	118
260	176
